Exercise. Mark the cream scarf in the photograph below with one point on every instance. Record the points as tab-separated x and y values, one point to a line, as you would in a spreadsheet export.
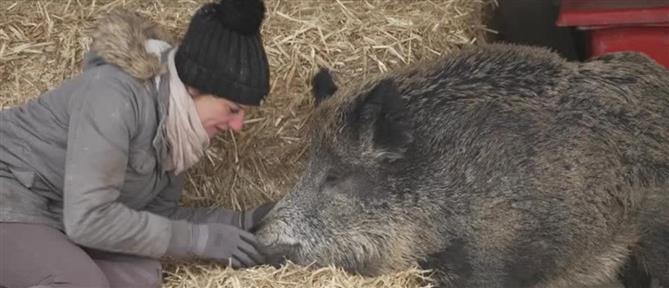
187	139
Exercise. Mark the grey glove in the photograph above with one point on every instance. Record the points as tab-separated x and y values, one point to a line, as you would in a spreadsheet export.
214	241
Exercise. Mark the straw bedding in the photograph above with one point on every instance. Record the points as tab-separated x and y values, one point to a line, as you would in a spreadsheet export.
42	43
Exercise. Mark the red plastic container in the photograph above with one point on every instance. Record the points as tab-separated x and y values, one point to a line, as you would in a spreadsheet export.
621	25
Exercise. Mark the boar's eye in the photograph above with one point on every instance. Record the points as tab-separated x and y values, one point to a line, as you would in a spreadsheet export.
331	178
334	177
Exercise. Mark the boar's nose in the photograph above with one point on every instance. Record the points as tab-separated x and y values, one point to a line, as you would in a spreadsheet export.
257	227
264	221
277	254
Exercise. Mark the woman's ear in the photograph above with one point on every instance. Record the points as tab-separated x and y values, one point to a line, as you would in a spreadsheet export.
193	91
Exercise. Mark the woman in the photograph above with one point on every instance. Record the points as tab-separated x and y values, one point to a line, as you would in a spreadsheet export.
91	172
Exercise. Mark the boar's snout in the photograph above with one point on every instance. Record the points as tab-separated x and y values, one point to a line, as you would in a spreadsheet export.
277	254
275	248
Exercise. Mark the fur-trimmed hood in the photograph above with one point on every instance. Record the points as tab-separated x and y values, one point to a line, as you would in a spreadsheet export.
119	38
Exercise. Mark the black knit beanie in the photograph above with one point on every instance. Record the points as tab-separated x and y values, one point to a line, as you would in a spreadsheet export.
222	52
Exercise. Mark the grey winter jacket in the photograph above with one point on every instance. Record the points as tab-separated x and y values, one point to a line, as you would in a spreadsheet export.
86	156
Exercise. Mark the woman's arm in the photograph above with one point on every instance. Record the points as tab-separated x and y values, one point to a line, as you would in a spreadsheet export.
167	204
102	122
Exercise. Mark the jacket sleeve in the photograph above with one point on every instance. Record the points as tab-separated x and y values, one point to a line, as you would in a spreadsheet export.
103	115
167	204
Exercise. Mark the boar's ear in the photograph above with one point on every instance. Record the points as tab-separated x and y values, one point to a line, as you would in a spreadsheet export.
383	112
322	85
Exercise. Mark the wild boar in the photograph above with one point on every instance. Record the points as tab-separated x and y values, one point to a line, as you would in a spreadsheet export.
495	166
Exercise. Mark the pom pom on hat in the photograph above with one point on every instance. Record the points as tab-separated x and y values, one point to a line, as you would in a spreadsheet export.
243	16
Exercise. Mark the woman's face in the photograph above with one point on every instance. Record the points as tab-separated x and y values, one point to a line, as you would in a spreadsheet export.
217	114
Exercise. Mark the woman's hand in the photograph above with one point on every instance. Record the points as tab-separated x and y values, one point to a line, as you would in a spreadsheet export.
214	241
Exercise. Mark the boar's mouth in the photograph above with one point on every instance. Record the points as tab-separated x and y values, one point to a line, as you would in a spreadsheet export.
276	254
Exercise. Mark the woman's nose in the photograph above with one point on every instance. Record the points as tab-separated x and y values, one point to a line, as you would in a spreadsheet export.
236	122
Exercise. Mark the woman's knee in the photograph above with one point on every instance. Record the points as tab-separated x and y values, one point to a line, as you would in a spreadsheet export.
128	271
71	279
41	255
139	274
